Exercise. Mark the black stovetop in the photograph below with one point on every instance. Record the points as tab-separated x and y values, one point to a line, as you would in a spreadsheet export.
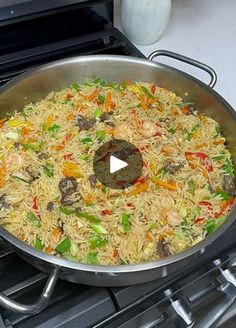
151	304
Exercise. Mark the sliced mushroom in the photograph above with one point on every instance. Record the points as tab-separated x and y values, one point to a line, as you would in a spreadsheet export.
92	180
68	185
32	173
107	117
42	156
68	189
229	185
85	123
163	248
3	202
50	206
173	167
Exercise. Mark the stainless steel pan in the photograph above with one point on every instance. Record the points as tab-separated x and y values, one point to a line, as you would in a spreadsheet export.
36	84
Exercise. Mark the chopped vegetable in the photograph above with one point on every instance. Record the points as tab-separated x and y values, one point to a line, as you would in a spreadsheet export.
191	133
171	131
97	241
147	92
54	128
92	258
73	248
38	244
99	229
101	135
228	168
36	147
162	171
204	203
72	170
90	218
93	95
212	225
161	183
34	219
125	217
206	161
21	177
76	86
63	246
223	195
218	158
191	187
35	203
98	113
139	189
101	99
86	141
106	212
49	170
12	135
66	210
107	103
225	207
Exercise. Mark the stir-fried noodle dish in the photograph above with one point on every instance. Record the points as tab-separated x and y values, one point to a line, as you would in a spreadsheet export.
51	199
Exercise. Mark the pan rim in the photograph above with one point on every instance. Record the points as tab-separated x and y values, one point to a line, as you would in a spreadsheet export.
116	269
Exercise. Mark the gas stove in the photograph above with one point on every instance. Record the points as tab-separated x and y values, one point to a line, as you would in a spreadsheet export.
196	296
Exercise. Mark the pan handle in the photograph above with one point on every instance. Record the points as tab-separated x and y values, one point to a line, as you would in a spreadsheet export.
40	304
187	60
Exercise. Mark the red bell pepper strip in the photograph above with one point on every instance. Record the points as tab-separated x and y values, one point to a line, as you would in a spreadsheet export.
68	157
106	212
35	205
199	220
206	204
131	205
206	161
226	206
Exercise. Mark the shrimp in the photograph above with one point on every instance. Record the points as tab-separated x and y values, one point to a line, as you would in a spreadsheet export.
172	217
14	162
148	129
122	131
170	150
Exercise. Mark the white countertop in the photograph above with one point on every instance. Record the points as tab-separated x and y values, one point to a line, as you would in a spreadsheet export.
204	30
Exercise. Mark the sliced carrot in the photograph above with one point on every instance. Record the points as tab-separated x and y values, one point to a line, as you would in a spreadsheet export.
107	103
58	147
21	236
2	176
93	95
25	131
161	183
48	249
70	117
174	111
115	254
148	236
219	141
56	233
139	189
88	199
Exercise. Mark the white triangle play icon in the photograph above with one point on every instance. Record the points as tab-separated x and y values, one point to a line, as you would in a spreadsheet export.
116	164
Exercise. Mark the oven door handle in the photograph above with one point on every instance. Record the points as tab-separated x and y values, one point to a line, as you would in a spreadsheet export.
40	304
187	60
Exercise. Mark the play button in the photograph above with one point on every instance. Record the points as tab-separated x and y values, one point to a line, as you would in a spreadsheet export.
117	164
